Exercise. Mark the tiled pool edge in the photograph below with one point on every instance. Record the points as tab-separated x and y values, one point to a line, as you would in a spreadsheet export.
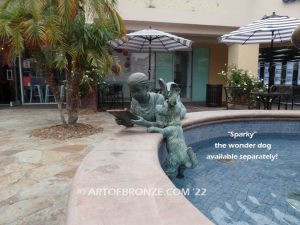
129	159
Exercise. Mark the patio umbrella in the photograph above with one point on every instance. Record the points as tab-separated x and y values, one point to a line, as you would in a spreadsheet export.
296	37
269	29
149	40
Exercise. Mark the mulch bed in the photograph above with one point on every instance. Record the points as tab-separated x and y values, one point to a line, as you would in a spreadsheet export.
58	132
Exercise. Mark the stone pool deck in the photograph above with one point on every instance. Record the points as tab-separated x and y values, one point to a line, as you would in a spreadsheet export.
35	174
129	160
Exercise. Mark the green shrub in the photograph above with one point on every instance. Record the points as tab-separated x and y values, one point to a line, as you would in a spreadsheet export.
242	83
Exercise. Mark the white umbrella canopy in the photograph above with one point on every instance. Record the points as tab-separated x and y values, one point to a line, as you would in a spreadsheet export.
151	40
269	29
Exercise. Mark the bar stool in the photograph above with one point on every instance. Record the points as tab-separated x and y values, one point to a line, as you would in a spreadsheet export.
48	93
36	88
35	91
62	93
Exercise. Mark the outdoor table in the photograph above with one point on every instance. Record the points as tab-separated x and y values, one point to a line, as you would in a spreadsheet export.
268	97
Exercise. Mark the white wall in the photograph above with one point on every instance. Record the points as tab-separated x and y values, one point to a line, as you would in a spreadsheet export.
221	13
205	12
266	7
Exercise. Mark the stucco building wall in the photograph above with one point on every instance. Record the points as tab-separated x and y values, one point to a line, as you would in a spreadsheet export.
232	13
203	21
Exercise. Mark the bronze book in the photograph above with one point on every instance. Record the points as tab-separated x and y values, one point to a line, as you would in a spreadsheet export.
123	114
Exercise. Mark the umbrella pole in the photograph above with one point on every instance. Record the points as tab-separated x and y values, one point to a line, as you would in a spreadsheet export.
271	67
149	67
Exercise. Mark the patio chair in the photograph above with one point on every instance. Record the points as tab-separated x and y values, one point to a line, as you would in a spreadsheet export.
295	96
235	98
285	99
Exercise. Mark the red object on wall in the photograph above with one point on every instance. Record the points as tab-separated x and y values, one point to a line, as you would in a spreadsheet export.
127	64
26	81
125	52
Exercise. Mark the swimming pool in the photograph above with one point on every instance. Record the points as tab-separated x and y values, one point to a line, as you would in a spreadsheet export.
253	180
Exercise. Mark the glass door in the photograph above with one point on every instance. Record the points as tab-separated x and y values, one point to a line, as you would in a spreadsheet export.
175	66
182	73
164	67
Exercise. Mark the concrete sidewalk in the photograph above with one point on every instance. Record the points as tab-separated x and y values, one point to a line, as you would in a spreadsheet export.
35	174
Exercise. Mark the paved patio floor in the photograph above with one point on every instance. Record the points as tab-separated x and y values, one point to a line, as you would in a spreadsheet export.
35	174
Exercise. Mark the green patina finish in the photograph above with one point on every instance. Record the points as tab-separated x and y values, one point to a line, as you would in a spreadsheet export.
168	118
163	114
143	101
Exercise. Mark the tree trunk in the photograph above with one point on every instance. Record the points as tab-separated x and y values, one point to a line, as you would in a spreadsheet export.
74	78
54	87
73	100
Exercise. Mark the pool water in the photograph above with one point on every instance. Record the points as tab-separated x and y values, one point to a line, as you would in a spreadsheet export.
238	191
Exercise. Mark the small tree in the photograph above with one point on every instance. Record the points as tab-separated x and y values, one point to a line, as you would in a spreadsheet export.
70	35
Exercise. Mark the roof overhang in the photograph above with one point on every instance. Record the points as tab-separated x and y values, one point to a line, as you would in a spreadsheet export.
196	33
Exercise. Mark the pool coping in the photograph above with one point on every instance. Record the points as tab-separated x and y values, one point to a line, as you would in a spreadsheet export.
119	163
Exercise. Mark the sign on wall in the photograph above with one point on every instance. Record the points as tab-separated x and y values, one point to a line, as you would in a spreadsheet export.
266	73
289	73
278	68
